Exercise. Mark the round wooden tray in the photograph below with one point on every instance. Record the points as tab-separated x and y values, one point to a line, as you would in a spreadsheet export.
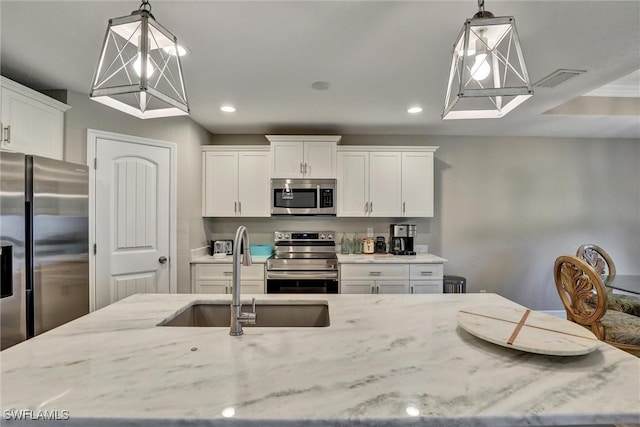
527	330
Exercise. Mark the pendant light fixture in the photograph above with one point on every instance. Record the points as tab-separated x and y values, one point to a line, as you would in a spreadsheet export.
488	76
139	70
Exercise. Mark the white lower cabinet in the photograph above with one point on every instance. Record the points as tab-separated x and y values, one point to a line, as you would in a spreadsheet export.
382	278
217	278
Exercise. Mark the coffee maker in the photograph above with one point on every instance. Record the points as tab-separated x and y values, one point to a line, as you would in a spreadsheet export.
402	236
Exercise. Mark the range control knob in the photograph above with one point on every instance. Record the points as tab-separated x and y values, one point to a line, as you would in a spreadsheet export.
278	236
330	236
287	236
322	237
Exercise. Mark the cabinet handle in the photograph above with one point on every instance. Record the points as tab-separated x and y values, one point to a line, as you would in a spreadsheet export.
375	273
301	168
235	207
366	207
370	207
305	168
404	205
239	207
7	132
227	273
426	273
373	289
411	289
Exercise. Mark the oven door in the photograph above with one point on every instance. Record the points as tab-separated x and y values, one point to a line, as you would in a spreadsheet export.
303	197
302	282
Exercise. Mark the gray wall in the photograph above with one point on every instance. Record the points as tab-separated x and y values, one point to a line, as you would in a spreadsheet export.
86	114
505	208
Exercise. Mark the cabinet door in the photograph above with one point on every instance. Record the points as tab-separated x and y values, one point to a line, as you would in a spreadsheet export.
287	159
220	184
417	184
319	159
34	127
252	287
357	287
353	184
212	287
253	184
395	287
426	286
385	176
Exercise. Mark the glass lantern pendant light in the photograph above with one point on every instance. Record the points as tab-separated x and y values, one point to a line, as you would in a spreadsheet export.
139	71
488	76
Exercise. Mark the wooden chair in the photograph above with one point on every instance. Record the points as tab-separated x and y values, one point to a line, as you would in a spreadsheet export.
577	282
602	263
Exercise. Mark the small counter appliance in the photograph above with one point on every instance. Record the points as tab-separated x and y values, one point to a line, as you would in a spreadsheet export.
402	236
221	247
381	245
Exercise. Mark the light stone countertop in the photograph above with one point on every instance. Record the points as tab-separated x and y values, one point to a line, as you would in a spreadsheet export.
390	259
208	259
385	360
343	259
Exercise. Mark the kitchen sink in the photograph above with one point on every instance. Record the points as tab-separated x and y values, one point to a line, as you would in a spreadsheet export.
269	314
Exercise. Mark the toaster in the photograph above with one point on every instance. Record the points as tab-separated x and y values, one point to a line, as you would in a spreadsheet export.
221	247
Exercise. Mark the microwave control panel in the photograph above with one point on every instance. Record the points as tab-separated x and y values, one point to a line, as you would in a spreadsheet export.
326	198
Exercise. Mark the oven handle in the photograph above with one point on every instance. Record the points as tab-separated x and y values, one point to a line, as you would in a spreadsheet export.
329	275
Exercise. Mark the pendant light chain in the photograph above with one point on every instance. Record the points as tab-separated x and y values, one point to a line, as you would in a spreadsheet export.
481	6
145	5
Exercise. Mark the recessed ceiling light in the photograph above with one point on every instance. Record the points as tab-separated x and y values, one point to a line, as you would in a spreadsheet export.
414	110
321	85
228	109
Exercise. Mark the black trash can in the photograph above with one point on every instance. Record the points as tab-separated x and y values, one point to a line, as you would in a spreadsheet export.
455	285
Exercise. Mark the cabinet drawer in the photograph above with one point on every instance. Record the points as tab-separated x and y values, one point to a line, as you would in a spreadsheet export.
212	287
225	271
426	287
373	271
426	271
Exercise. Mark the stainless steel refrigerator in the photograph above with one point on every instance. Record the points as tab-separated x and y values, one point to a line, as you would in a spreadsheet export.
44	240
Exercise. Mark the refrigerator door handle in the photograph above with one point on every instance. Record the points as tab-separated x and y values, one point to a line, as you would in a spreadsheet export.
6	271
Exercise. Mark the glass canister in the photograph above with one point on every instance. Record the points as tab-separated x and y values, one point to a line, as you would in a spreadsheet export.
345	244
357	244
368	246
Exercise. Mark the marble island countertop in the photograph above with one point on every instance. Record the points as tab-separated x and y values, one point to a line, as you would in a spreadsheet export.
385	360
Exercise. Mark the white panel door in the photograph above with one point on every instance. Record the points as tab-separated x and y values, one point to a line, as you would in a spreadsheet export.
253	184
353	184
385	178
220	184
319	159
132	205
287	159
417	184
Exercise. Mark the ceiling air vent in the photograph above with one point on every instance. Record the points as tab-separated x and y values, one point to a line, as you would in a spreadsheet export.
558	77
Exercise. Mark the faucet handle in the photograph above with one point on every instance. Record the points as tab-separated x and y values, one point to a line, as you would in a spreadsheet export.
249	318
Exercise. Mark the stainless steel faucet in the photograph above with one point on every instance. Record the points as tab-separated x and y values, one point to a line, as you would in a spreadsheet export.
237	317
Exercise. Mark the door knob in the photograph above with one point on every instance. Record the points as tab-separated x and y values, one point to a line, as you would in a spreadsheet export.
162	259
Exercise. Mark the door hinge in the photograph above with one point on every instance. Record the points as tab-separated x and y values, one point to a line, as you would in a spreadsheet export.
95	248
95	163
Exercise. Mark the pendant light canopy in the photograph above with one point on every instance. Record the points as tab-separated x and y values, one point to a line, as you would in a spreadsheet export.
139	69
488	76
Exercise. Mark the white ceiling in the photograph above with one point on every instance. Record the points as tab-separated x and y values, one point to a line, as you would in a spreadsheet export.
380	57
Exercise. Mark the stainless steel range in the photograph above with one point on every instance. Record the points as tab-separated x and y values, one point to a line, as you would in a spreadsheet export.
303	262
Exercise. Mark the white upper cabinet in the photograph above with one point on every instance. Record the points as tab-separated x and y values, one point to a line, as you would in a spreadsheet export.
32	123
417	184
385	176
303	156
379	182
235	181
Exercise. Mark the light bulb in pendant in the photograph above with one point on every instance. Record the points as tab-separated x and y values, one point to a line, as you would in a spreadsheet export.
137	67
481	68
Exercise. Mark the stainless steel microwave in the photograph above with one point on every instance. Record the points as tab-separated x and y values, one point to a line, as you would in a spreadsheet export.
303	196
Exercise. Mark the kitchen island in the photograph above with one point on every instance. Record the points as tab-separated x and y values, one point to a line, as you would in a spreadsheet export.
385	360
